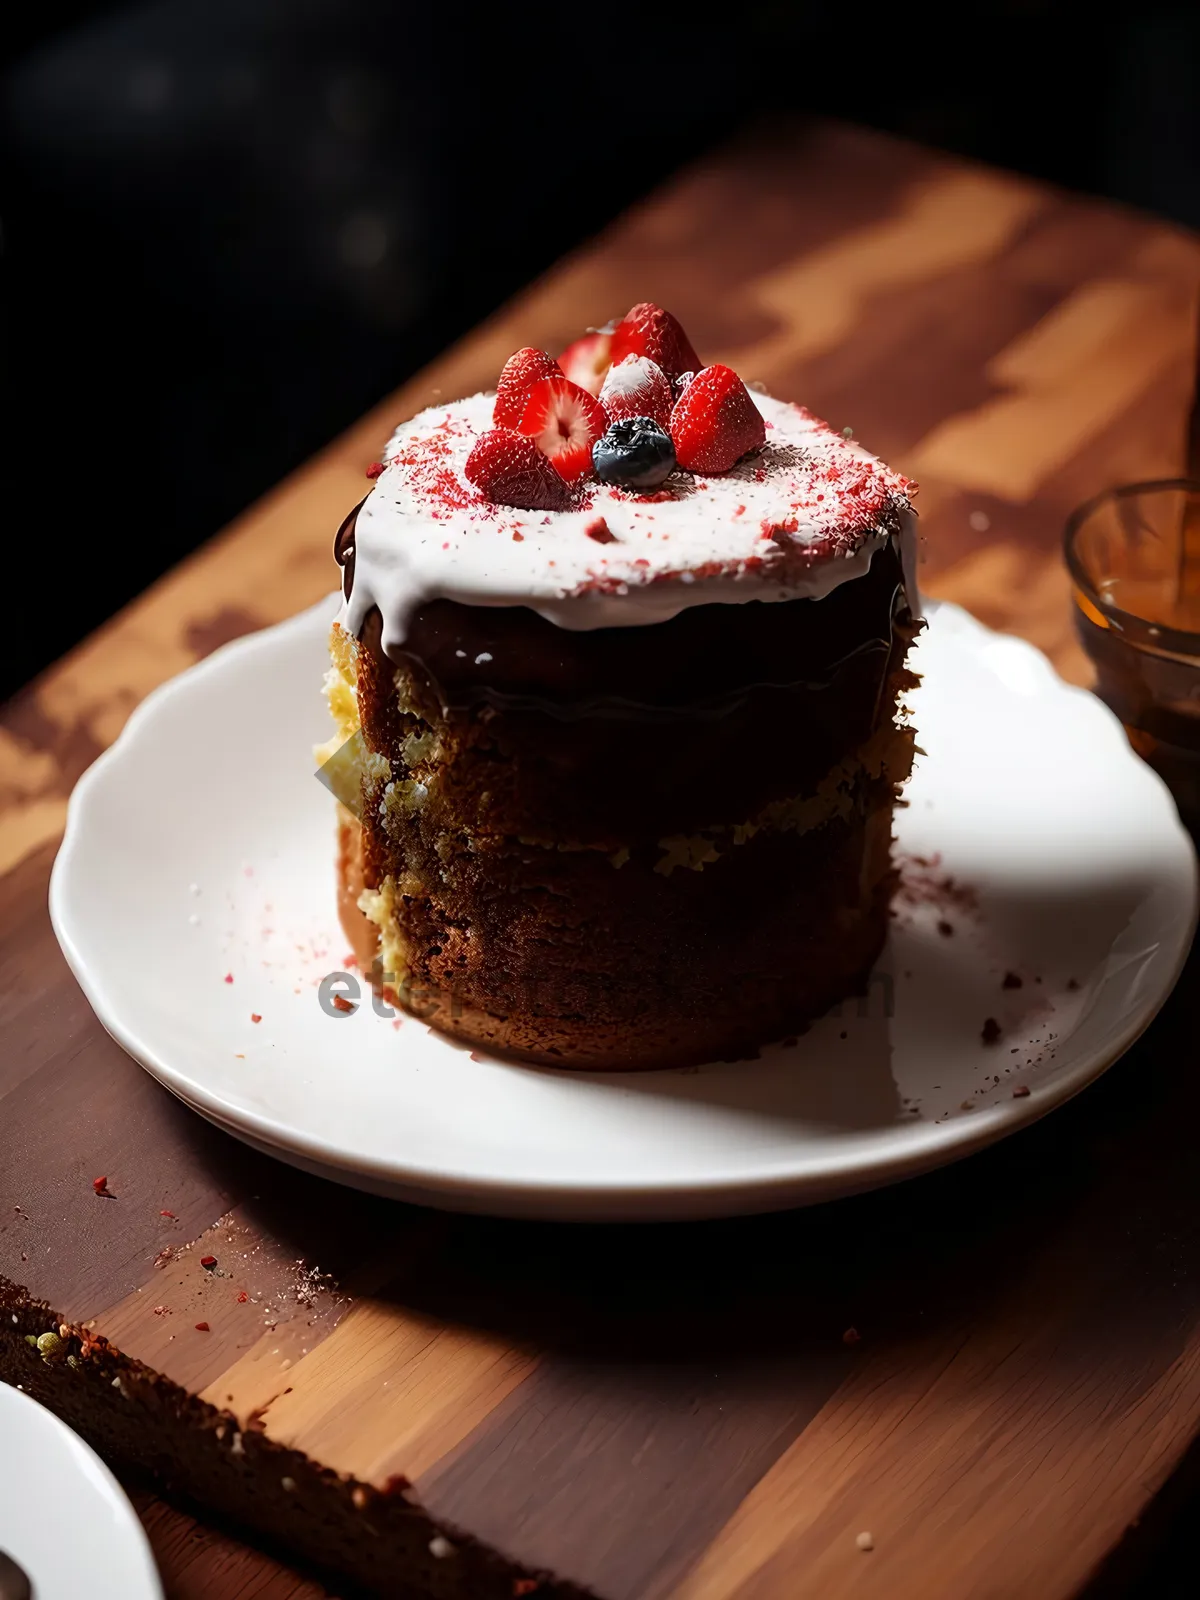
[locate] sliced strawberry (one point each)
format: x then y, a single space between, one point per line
520 373
637 387
648 330
564 421
586 361
510 470
715 422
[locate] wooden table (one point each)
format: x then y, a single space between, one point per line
656 1412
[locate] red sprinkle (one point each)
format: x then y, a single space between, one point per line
851 1336
374 470
208 1261
523 1586
599 530
229 977
242 1298
340 1003
100 1185
203 1327
254 1017
170 1214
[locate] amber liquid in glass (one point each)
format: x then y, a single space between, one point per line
1151 679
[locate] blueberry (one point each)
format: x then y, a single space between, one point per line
635 453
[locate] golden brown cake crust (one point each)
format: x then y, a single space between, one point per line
792 963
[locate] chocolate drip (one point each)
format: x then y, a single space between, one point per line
343 546
702 663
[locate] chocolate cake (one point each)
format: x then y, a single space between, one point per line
623 674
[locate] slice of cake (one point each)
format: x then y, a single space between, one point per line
622 670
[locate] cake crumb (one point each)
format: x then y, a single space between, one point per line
288 1485
865 1541
1020 1090
990 1031
1011 980
852 1336
440 1547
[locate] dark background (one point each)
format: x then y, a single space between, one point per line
229 226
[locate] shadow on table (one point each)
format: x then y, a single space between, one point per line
1114 1164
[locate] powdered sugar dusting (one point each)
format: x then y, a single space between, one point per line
794 521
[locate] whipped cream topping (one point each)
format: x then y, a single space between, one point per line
793 521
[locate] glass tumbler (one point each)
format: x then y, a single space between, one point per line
1133 554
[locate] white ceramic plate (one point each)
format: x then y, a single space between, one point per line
63 1516
199 850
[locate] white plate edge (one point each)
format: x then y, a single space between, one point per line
942 1144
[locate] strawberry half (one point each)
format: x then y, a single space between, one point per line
586 361
637 387
510 470
648 330
564 421
715 422
520 373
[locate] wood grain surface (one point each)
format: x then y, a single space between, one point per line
657 1412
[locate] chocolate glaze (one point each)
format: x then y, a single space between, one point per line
621 734
704 661
343 547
